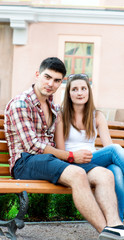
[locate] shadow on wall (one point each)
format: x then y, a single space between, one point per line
113 114
119 115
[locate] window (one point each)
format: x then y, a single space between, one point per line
78 58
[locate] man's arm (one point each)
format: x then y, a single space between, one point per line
20 125
80 156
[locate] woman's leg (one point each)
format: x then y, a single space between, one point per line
119 187
112 154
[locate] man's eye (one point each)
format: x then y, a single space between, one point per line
57 80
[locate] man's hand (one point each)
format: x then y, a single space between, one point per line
82 156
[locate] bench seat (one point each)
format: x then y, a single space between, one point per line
31 186
23 187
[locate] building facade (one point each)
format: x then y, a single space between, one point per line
87 39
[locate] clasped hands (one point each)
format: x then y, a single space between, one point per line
82 156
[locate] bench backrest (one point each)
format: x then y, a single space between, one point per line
4 154
116 131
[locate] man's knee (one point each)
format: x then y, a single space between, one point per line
73 174
107 176
79 174
101 175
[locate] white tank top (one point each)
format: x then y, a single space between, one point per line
77 140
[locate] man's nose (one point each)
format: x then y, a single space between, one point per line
50 83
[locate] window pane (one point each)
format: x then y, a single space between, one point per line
68 65
88 67
78 65
79 58
89 50
71 48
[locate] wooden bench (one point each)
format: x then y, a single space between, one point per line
22 187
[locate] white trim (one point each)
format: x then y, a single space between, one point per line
20 16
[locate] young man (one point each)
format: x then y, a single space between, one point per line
30 121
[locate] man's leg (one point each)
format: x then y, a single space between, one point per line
103 180
83 197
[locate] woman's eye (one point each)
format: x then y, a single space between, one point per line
74 89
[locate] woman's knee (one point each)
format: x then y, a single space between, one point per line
118 176
116 171
115 147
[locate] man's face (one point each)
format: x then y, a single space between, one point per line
48 82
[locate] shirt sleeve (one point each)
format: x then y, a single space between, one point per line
23 126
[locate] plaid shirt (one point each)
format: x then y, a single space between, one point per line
25 126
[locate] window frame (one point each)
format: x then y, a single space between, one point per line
58 96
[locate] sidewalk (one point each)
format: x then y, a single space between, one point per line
56 231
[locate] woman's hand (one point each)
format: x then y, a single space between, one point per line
82 156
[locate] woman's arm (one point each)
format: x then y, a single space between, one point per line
59 135
80 156
102 128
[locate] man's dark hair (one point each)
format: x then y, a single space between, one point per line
53 63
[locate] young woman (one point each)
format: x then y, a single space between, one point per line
77 129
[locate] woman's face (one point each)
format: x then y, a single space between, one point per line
79 92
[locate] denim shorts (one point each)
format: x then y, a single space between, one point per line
43 167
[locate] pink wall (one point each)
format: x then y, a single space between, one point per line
43 41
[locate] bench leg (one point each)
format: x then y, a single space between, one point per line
17 222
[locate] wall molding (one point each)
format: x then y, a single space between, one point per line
20 16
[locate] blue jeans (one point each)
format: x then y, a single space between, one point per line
119 187
112 157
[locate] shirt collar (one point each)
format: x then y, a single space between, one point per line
35 100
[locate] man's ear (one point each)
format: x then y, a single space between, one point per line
37 73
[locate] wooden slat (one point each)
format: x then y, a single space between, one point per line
3 147
116 133
1 115
1 124
116 125
4 158
118 141
17 186
4 171
2 134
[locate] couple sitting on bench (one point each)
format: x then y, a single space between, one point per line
49 144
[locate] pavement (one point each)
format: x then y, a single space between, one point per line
56 231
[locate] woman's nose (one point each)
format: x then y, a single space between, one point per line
79 92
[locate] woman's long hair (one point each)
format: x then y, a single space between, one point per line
68 111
